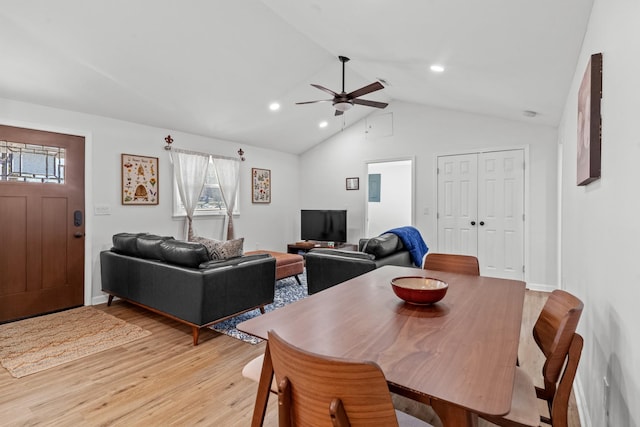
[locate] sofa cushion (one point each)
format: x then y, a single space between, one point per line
383 245
149 246
186 254
228 249
210 244
126 243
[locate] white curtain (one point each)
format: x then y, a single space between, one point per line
190 170
228 172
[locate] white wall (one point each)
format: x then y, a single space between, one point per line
264 226
426 132
396 192
601 222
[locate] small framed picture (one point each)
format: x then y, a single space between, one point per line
139 180
353 183
260 185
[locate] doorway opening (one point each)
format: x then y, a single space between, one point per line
389 195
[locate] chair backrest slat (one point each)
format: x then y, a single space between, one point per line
462 264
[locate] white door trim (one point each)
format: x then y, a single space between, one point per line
365 186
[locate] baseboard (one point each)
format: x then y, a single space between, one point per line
541 287
100 299
578 392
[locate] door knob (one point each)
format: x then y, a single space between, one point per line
473 223
481 222
78 235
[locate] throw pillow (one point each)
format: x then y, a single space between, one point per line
228 249
210 244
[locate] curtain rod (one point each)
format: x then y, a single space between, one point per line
169 140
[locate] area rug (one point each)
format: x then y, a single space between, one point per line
33 345
287 291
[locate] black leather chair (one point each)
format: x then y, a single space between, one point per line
328 267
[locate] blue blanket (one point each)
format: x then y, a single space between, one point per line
413 241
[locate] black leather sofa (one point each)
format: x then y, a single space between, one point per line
328 267
177 279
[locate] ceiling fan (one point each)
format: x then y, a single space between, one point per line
344 101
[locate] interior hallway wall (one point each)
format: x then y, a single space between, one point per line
600 226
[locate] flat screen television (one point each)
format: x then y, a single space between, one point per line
323 225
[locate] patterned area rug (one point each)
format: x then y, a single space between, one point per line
33 345
287 291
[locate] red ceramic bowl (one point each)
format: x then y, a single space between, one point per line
419 290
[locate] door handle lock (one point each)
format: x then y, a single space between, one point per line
473 223
77 218
481 222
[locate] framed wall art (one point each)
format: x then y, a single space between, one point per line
353 183
139 180
260 185
590 122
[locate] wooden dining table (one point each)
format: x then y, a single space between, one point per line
458 355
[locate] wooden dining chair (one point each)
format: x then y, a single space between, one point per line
463 264
316 390
554 333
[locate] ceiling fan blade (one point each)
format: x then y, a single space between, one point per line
375 104
313 102
339 113
365 90
325 89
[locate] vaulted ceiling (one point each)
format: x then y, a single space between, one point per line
213 67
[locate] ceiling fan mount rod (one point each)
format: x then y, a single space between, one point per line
343 59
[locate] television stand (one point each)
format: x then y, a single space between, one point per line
305 246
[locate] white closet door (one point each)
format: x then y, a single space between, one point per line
457 204
501 214
481 210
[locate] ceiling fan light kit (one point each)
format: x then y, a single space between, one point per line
345 101
343 105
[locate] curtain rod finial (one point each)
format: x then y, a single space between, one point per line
168 140
241 154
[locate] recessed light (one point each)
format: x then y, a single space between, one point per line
274 106
437 68
323 124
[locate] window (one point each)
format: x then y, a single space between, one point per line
31 163
210 202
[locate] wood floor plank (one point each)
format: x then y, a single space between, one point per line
163 379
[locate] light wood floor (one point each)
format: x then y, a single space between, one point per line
164 380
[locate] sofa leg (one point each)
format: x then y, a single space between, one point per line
110 301
298 280
262 309
196 334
